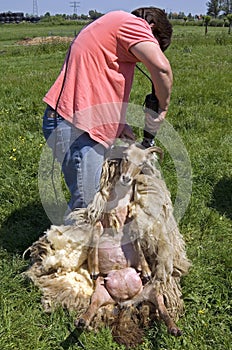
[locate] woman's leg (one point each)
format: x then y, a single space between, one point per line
80 156
82 168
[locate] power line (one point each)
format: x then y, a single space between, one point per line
75 5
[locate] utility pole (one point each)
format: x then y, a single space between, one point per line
75 5
35 8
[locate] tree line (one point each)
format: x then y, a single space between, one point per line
216 9
219 8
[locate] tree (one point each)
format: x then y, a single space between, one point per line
226 6
85 17
229 17
206 19
94 14
214 7
190 16
181 15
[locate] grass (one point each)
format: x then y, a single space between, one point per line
200 112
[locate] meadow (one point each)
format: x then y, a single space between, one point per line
200 112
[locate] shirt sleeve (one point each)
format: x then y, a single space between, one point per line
133 31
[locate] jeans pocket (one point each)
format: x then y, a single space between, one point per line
57 133
50 121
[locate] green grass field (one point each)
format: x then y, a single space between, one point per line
200 112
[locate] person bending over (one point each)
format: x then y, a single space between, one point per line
87 103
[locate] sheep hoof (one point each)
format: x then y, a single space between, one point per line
175 331
80 323
146 279
94 276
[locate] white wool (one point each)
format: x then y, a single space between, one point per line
69 259
70 246
59 236
79 282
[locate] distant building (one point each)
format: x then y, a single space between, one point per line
16 17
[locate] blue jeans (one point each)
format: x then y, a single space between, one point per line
80 156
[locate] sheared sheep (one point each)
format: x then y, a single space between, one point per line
140 212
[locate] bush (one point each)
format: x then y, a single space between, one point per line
213 22
216 23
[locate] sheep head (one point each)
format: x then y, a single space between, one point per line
134 159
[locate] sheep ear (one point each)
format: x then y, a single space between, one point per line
130 145
157 150
127 142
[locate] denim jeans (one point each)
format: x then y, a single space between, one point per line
80 156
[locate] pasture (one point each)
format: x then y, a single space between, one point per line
200 112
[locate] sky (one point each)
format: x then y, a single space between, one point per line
103 6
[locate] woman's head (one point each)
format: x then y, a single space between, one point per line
160 25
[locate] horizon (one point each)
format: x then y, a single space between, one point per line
103 6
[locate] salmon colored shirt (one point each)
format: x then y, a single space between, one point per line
99 75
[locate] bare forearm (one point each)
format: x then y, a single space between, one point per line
162 80
159 67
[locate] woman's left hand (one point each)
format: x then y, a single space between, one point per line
127 133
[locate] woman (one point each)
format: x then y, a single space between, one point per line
87 103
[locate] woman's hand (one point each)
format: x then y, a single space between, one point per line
127 133
153 123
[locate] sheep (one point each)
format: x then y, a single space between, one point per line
132 202
118 199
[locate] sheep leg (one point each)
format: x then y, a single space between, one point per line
149 294
171 326
146 272
100 297
93 262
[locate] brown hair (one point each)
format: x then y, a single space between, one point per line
162 29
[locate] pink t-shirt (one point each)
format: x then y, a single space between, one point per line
99 75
